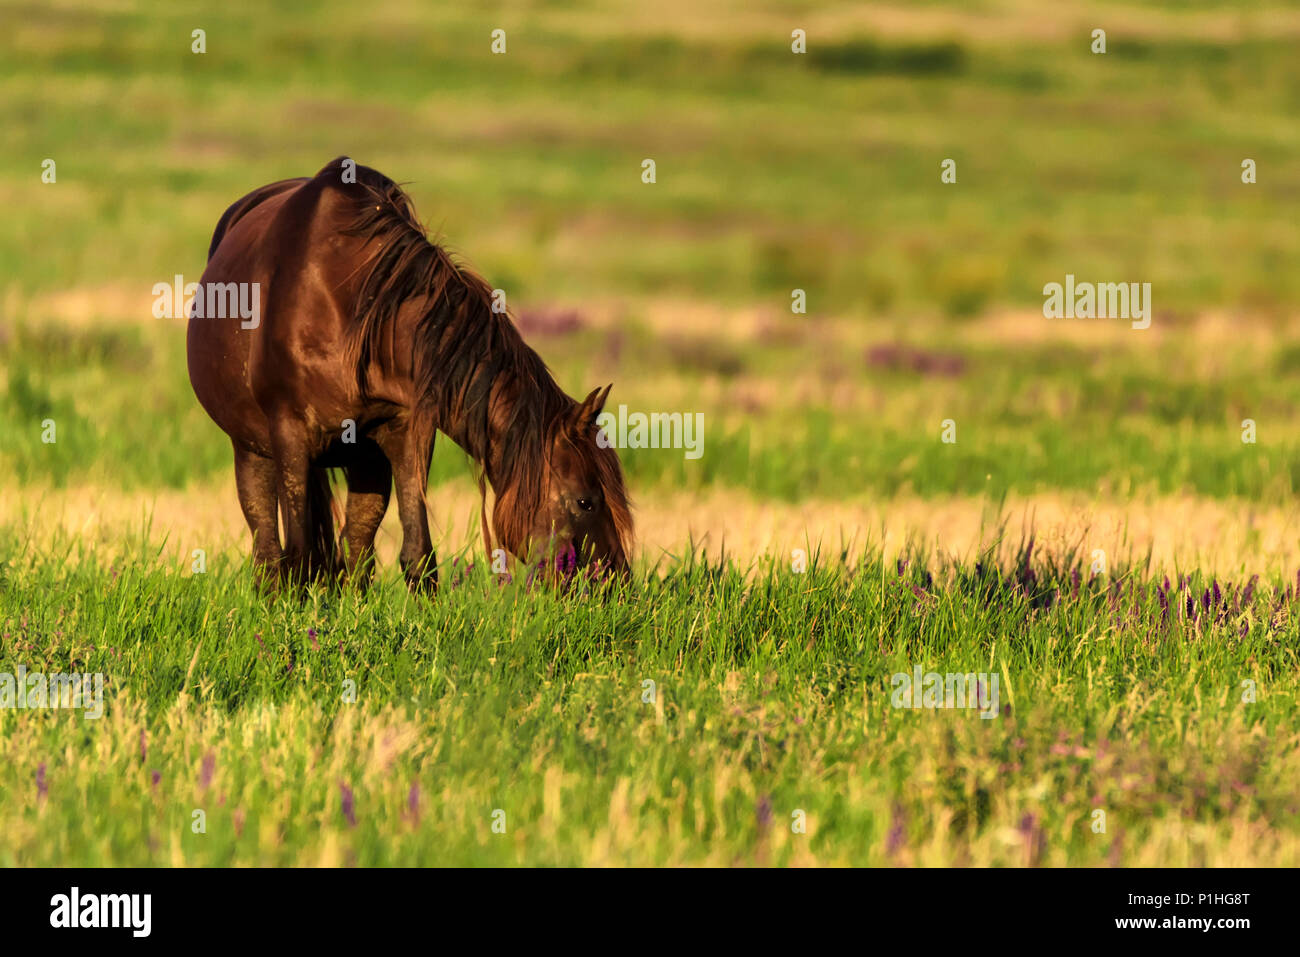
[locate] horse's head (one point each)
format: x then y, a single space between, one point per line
573 513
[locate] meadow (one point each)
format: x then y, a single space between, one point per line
1106 535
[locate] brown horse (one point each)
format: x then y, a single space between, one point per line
370 339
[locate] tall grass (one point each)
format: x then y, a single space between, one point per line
771 696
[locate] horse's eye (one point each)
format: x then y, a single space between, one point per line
585 504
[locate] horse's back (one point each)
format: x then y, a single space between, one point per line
331 179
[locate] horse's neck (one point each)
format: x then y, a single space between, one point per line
482 425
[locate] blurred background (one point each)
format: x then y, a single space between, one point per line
775 171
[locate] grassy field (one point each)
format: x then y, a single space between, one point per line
1099 537
771 695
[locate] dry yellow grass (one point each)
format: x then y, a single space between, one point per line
1224 537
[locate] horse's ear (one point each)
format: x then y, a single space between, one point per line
590 407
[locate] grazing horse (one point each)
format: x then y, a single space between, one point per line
370 340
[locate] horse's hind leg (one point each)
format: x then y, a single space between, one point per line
370 482
296 489
255 481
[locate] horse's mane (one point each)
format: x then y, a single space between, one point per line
461 348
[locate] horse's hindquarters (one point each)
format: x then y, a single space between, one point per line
223 329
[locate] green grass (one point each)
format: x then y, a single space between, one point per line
773 696
1120 417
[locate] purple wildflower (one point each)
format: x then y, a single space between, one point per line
349 811
311 635
42 788
764 812
205 774
897 833
1033 837
1116 855
553 321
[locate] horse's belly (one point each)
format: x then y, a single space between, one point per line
218 363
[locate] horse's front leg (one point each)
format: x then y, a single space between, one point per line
370 483
410 471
